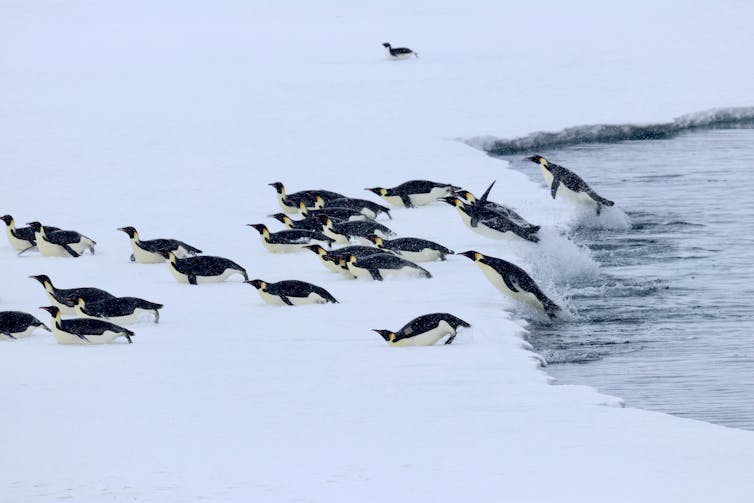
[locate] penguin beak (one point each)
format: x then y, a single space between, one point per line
469 254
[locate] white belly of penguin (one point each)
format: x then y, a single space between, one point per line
497 281
63 308
339 238
66 338
427 338
430 197
143 256
312 298
21 335
332 266
484 230
52 250
128 319
17 244
283 247
394 200
426 255
182 278
285 207
574 197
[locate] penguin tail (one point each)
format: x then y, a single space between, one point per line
532 237
425 272
599 199
551 308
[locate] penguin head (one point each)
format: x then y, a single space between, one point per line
54 311
319 202
7 219
324 220
302 207
538 159
350 258
466 196
169 256
385 44
281 217
316 249
257 283
377 190
43 279
386 334
278 187
473 255
375 239
75 301
130 231
451 200
261 228
35 226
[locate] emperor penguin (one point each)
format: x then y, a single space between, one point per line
377 265
121 310
513 281
17 324
305 224
21 239
202 269
568 184
425 330
413 249
367 208
289 202
289 240
60 243
342 232
291 292
85 331
509 213
399 52
149 251
335 259
414 193
342 214
65 299
489 223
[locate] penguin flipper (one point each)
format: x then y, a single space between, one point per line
156 316
375 274
554 186
407 201
26 249
474 221
133 258
510 284
70 250
192 279
286 300
9 335
483 199
450 339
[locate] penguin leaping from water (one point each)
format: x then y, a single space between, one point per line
291 292
425 330
21 239
414 193
149 252
60 243
399 52
568 184
513 281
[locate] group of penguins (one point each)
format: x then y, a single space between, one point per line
328 218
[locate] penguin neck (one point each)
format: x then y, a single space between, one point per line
58 320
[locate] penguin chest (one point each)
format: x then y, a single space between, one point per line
394 200
312 298
51 250
20 335
429 337
286 207
143 256
282 247
63 308
547 176
332 266
64 337
429 197
497 281
17 244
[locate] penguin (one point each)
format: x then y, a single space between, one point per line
121 310
367 208
60 243
84 331
289 203
21 239
414 193
291 292
202 269
61 298
374 266
513 281
342 214
489 223
290 240
469 198
413 249
148 252
16 324
568 184
399 52
306 224
336 263
425 330
342 232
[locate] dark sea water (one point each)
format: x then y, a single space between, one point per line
668 325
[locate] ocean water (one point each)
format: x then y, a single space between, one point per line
668 325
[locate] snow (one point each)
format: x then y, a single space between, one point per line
174 116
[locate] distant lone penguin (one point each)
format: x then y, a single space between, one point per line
425 330
399 52
568 184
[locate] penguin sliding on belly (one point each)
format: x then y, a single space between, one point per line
377 265
335 260
341 214
202 269
65 299
85 331
413 249
305 224
121 310
21 239
149 252
568 184
513 281
60 243
342 232
16 324
367 208
290 240
469 199
414 193
290 203
291 292
425 330
491 224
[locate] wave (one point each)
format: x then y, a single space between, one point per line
736 117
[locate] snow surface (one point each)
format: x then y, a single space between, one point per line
173 116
